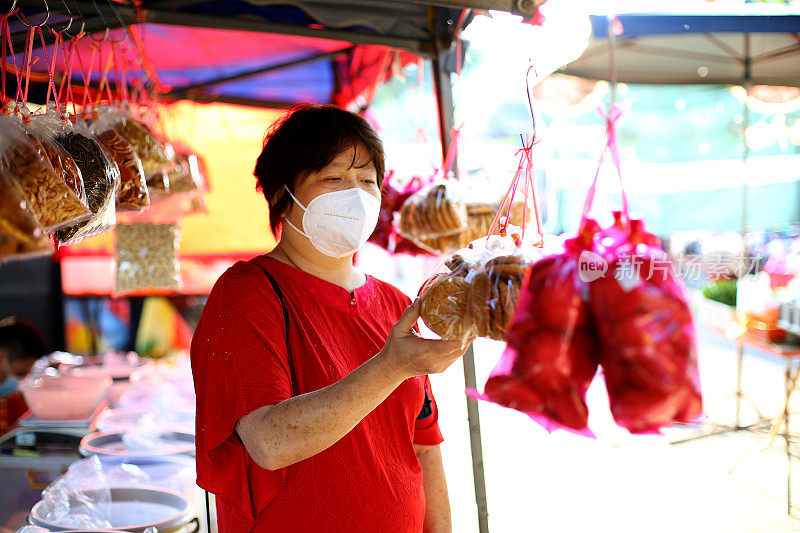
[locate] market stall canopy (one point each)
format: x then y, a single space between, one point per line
701 49
268 53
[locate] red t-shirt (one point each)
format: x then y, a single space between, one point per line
370 480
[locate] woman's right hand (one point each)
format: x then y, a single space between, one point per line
409 355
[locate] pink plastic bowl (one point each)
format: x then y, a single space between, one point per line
64 397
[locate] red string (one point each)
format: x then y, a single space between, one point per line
104 84
28 63
51 84
86 75
452 150
611 145
4 30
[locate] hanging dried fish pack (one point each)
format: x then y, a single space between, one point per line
101 179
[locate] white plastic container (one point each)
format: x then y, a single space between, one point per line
133 509
62 397
111 443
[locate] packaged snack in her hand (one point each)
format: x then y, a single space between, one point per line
552 356
475 292
645 325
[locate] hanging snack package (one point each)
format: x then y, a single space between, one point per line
147 257
23 157
552 356
434 212
45 129
100 179
21 234
644 320
133 194
151 151
393 195
475 293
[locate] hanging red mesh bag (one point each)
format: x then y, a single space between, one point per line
645 325
552 354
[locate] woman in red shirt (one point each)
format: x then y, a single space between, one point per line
314 410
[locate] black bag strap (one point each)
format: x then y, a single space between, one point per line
279 294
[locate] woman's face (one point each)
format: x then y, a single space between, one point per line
342 173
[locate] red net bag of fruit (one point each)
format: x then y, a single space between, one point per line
647 334
550 359
644 322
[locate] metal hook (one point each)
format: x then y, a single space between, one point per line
105 23
80 16
69 24
25 21
13 7
122 25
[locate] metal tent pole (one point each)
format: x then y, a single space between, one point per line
444 102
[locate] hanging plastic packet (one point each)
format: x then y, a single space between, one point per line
644 320
23 158
101 177
147 257
133 193
21 234
433 214
478 293
150 149
552 354
45 129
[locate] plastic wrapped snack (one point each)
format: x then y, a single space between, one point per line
476 291
645 325
151 151
23 157
20 232
147 256
45 128
434 211
100 178
392 199
133 193
552 355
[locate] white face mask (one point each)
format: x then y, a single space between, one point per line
339 223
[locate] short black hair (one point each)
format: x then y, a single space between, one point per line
22 340
307 139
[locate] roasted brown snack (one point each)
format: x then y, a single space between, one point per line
50 199
63 165
133 193
479 303
444 305
497 327
20 232
100 178
148 147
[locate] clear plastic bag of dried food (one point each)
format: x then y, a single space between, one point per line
21 235
151 151
23 158
147 257
435 217
46 128
133 193
100 179
476 291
